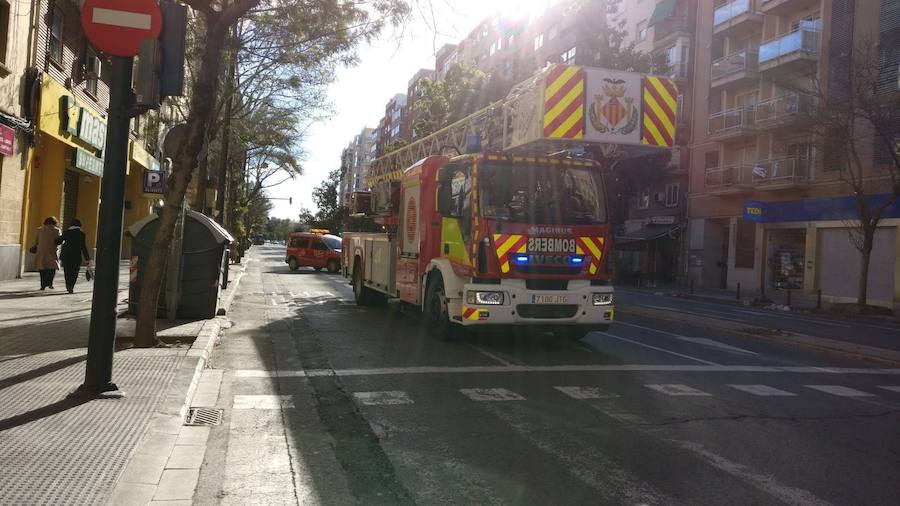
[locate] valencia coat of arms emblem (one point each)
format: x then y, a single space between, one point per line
613 112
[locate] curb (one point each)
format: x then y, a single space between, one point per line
229 298
139 479
822 344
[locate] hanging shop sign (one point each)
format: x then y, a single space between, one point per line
87 162
7 140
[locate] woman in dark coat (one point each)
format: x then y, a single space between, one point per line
74 247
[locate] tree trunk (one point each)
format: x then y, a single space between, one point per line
199 204
866 255
203 101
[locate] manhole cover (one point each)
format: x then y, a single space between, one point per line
203 416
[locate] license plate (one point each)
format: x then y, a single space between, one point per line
549 299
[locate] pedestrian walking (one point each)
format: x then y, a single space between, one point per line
74 250
46 260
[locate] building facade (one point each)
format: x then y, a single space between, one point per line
355 160
768 208
390 128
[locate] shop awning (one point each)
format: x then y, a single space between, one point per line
663 10
647 233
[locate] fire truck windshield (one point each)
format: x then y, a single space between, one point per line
541 194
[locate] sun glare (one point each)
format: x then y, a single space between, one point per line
525 8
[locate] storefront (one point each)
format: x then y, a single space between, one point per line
67 163
812 244
648 251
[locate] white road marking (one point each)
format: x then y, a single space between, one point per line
490 355
383 398
891 388
583 393
762 390
697 340
764 482
675 389
263 401
489 369
670 352
124 19
491 394
840 390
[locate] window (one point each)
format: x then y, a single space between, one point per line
299 242
679 107
672 194
641 30
711 160
319 246
568 57
539 42
56 35
4 25
493 49
644 199
552 33
91 71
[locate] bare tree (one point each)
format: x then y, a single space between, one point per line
858 121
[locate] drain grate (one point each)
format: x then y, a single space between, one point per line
203 416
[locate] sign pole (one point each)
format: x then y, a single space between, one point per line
102 334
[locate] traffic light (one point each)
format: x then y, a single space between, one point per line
146 79
160 63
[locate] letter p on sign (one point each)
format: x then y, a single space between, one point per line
154 181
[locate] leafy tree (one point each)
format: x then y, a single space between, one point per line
307 40
395 145
444 102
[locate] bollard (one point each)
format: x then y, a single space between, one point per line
738 295
788 297
819 298
692 286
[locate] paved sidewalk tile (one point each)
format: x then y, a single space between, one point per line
177 484
133 493
186 457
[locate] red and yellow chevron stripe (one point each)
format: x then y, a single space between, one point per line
469 313
658 103
507 244
564 102
592 247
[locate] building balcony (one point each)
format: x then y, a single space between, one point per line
736 17
677 71
732 124
781 7
797 51
668 30
784 113
735 70
780 174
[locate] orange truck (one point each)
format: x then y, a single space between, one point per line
517 234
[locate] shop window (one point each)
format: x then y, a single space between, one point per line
644 199
56 36
745 244
4 25
672 194
91 71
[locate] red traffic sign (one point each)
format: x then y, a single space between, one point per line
117 27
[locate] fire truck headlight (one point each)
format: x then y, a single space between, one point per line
485 298
602 299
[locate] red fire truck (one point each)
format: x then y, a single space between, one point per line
504 237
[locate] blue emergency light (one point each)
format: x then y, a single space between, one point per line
576 260
522 259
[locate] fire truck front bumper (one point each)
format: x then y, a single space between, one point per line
581 305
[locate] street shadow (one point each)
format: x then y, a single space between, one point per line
42 412
34 293
40 371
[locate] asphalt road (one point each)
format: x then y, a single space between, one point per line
329 403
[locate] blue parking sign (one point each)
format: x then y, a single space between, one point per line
154 181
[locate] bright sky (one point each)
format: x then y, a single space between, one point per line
359 94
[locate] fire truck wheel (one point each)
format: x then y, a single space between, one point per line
317 269
333 266
437 316
292 264
361 293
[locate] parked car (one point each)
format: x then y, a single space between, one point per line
317 249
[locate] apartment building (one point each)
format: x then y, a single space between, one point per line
355 159
767 206
15 130
413 91
390 127
70 93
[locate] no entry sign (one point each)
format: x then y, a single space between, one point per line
117 27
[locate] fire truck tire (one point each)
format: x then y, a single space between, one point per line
333 266
292 264
437 316
362 294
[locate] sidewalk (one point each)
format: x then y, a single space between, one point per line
55 450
